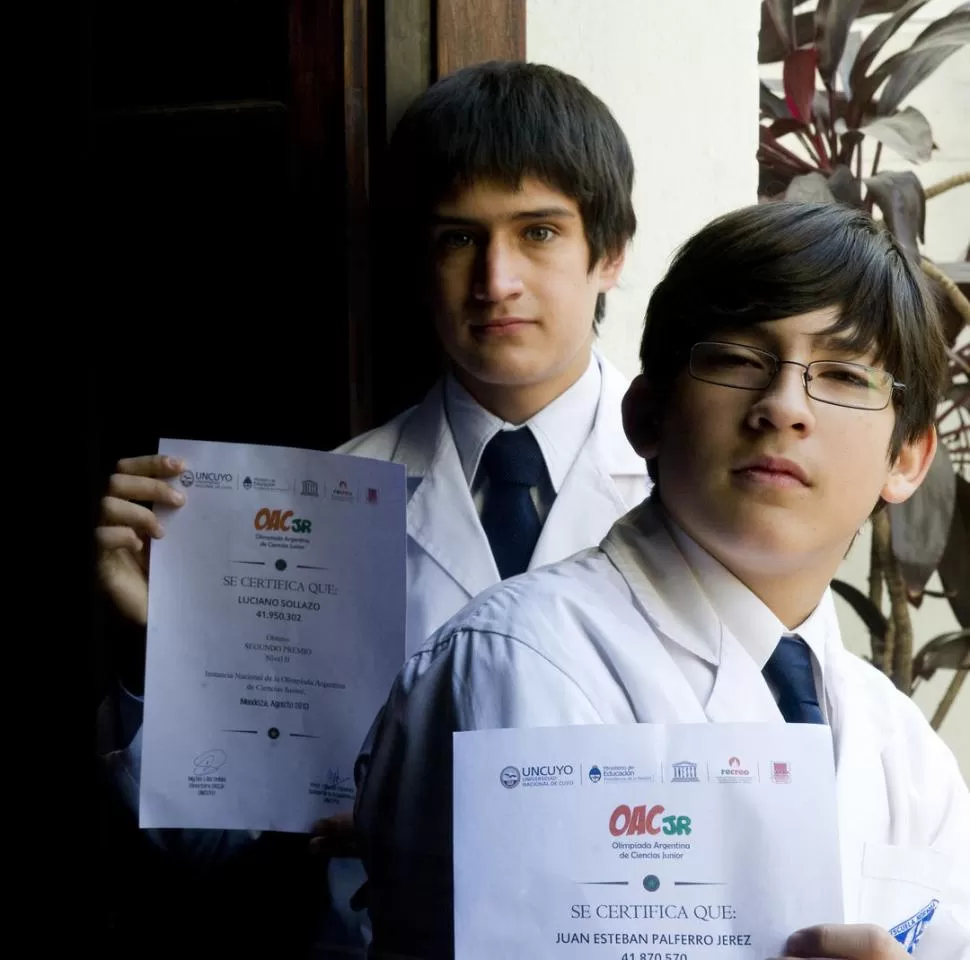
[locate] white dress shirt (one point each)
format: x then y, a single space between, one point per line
560 428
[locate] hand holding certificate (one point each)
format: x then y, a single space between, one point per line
275 628
643 842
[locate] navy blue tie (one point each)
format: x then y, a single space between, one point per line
513 463
789 669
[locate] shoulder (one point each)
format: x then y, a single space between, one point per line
380 442
546 620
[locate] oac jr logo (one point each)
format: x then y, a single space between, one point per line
283 520
639 820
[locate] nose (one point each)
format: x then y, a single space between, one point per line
784 404
498 274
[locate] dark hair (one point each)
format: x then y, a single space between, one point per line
782 259
507 120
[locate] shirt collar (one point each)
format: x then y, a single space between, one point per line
748 618
560 428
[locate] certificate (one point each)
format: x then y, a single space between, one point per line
643 841
276 620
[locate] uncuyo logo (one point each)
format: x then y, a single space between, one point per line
510 777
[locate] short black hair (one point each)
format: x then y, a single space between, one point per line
503 121
784 258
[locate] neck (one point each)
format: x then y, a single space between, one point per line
790 599
519 402
790 587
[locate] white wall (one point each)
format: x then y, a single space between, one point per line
681 76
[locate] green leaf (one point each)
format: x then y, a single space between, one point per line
954 565
877 39
902 200
771 48
772 105
908 133
951 651
907 69
921 525
780 15
874 619
833 18
810 188
934 45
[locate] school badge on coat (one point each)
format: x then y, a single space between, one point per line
908 932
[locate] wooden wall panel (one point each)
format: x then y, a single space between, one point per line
470 31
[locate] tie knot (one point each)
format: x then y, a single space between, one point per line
513 456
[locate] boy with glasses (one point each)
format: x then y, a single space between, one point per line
792 365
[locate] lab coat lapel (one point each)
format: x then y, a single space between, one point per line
589 500
441 516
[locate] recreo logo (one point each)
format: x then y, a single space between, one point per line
282 520
634 821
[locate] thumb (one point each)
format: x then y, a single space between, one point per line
857 941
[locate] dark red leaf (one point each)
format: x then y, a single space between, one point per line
902 200
799 79
786 125
921 525
833 18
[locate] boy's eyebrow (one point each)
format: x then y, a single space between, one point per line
835 341
542 213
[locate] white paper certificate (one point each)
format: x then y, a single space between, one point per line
643 842
275 629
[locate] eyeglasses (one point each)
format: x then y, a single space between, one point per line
829 381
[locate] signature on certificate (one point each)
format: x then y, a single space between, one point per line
333 778
209 761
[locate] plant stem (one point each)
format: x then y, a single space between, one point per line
808 145
876 158
820 146
951 694
779 153
858 164
833 145
902 654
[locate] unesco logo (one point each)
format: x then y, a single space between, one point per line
510 777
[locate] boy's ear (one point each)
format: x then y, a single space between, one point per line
610 268
910 468
641 418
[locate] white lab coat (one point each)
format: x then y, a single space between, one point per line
448 555
598 639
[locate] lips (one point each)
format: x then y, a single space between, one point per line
774 467
499 323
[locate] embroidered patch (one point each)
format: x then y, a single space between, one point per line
909 931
